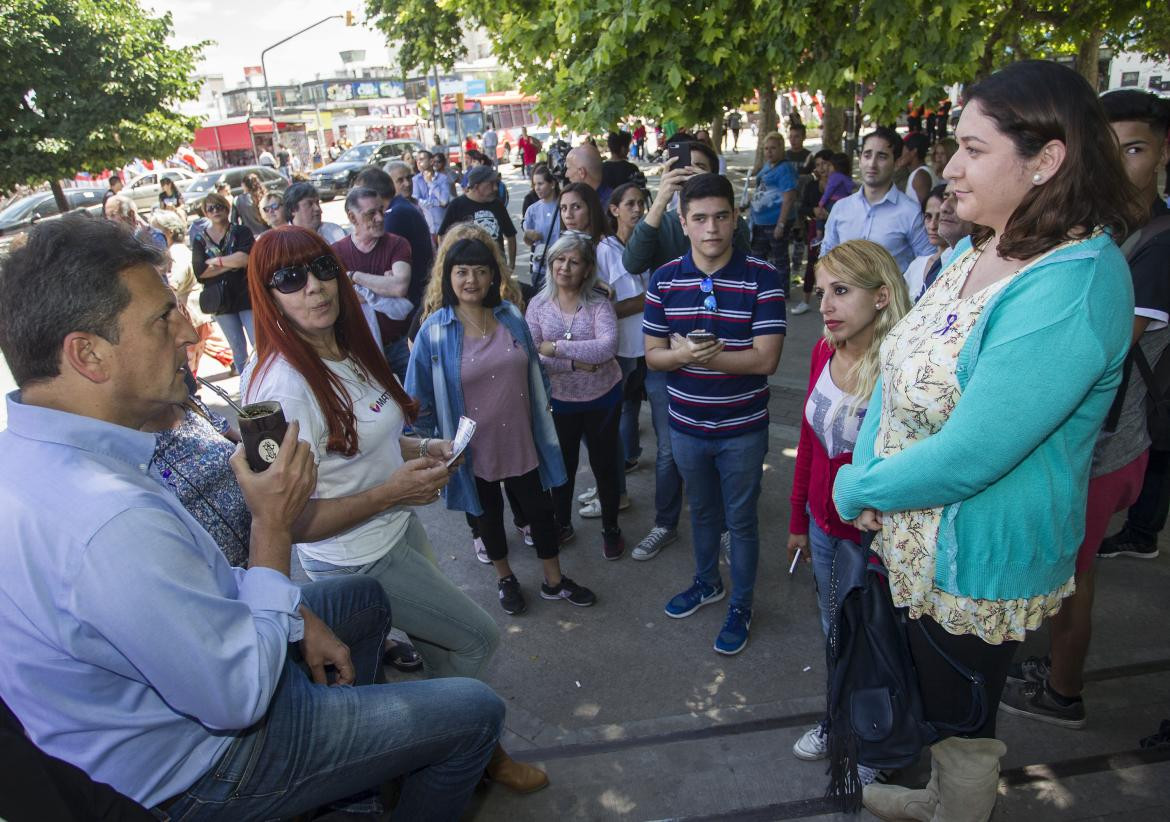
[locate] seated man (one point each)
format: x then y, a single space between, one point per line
135 652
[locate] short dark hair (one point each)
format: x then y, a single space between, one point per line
889 135
470 251
798 127
702 186
356 195
377 179
1131 105
707 152
842 162
917 142
1031 103
65 278
618 142
297 192
939 192
824 154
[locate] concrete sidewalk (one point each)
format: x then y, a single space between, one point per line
635 717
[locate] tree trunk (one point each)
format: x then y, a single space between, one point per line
768 118
717 132
1088 59
59 196
832 127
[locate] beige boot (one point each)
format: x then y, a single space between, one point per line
518 776
968 778
894 803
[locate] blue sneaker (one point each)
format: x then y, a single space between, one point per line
694 598
734 636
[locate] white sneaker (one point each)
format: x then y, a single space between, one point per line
481 551
800 308
588 496
592 509
526 533
812 745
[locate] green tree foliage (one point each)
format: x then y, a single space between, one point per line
87 85
429 34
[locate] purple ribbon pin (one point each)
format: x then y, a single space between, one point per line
951 320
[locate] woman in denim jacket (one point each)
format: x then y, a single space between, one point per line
474 357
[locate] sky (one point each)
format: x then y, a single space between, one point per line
241 30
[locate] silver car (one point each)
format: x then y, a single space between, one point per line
145 188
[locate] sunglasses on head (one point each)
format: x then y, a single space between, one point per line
707 286
293 278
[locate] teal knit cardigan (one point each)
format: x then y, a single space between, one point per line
1010 467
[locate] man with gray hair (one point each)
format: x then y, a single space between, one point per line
379 266
120 209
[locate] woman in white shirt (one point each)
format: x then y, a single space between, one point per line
541 226
316 357
928 265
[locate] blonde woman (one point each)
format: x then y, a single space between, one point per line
862 296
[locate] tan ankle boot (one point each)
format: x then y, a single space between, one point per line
968 778
897 804
517 776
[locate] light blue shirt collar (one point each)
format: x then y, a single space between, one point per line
34 422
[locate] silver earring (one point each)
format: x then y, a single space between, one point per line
1037 178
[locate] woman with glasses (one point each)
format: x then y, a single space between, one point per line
219 256
575 331
317 358
272 210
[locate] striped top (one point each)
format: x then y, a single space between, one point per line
749 303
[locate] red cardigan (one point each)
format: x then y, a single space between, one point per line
812 482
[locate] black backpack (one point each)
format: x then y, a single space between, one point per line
1156 377
875 713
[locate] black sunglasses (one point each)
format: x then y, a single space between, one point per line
272 207
213 208
293 278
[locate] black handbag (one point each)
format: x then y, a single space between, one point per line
213 297
875 712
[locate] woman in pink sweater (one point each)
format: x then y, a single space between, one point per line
575 330
862 296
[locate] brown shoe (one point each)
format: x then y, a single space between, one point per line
518 776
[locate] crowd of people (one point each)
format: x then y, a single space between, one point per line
1015 282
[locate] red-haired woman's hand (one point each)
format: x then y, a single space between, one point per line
417 482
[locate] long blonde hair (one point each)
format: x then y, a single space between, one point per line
433 296
865 264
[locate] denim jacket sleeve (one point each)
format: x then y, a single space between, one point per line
420 381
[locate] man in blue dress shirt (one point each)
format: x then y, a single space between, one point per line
878 211
132 649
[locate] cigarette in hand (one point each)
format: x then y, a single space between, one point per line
795 560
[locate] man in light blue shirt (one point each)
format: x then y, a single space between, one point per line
878 211
132 649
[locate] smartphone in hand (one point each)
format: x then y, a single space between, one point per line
701 337
681 152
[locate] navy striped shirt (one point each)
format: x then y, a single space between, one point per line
749 303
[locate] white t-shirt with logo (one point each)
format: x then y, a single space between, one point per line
379 427
612 270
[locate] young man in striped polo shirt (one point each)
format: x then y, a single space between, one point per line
714 322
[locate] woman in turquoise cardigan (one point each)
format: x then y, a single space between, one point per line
973 465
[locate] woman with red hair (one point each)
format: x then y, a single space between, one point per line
317 358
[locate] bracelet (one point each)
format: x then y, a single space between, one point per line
423 445
554 344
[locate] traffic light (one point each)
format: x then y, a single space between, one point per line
349 19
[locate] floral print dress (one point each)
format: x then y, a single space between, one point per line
919 391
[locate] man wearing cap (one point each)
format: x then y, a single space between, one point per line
480 205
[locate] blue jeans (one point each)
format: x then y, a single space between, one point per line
318 744
667 481
722 476
631 449
453 635
823 548
233 327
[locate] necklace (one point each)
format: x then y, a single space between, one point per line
567 326
482 329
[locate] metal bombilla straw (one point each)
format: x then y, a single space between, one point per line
222 394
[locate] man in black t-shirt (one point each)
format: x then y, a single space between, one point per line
480 205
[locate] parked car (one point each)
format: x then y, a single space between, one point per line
336 178
234 177
22 214
144 189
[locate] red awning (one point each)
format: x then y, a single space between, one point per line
261 125
230 137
